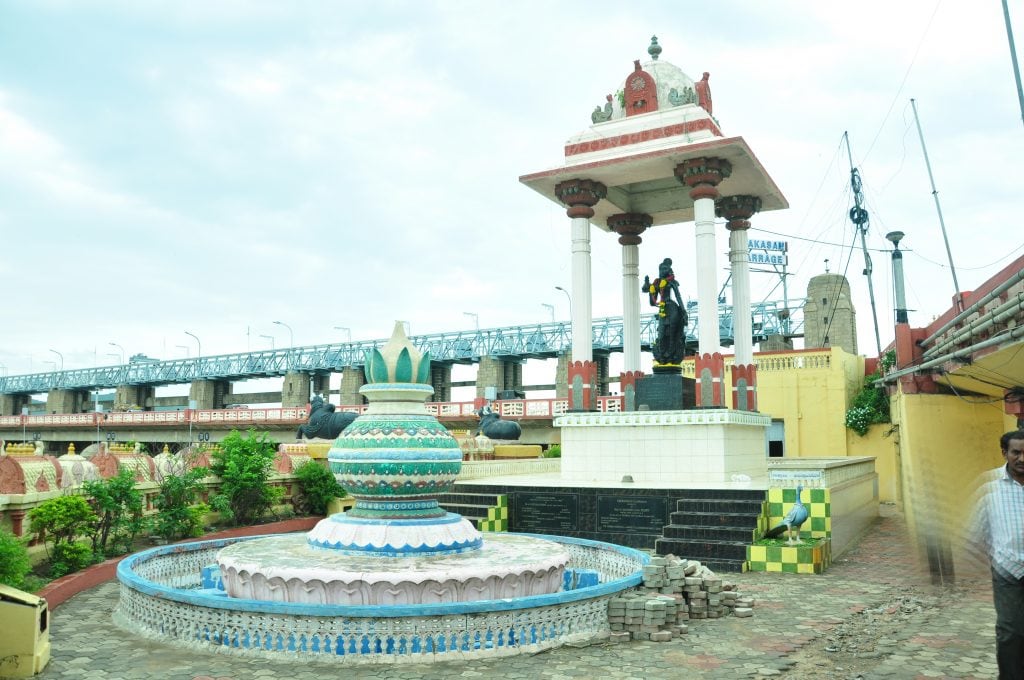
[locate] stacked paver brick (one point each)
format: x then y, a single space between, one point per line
674 592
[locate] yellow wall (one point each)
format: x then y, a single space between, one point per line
882 442
810 392
945 443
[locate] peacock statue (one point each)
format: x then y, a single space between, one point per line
796 516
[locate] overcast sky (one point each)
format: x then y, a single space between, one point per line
216 166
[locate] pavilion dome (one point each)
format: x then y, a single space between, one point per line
674 87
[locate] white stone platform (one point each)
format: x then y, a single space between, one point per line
666 447
286 569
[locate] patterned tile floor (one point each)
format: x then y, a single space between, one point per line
874 614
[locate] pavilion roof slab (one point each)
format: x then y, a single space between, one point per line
645 182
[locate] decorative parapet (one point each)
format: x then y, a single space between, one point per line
645 418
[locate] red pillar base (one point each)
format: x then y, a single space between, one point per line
582 376
709 371
744 387
627 385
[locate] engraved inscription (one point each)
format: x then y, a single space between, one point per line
632 514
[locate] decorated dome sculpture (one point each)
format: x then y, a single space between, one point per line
397 545
77 469
654 86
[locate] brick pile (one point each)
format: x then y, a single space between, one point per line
674 591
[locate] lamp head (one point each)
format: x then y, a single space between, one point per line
895 237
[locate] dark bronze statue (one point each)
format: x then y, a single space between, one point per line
663 293
494 427
324 422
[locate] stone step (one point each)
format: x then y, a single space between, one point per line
723 566
702 550
467 511
721 505
734 520
705 533
756 495
485 499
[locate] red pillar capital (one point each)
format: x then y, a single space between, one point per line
629 226
702 175
581 195
737 210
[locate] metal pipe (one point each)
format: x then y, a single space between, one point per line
935 194
1001 313
998 290
1011 335
1013 58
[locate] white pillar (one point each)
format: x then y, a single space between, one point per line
631 307
582 321
739 260
707 283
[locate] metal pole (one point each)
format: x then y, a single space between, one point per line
957 299
859 216
1013 58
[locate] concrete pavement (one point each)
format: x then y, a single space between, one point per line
874 614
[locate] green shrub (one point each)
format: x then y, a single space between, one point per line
318 487
179 512
244 465
871 405
119 508
553 451
68 558
62 519
14 562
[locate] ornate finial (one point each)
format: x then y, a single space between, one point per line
655 49
398 361
71 449
167 449
826 265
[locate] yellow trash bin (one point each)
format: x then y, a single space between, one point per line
24 633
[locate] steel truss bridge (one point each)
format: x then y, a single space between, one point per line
534 341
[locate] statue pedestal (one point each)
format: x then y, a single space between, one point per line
664 447
665 392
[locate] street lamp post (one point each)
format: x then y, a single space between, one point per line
61 358
114 344
567 297
184 347
476 318
199 345
291 336
550 308
348 331
271 338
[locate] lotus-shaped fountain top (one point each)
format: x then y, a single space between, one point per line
398 361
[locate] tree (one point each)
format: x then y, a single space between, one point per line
179 512
119 509
244 465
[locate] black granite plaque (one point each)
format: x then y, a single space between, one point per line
643 514
547 512
665 392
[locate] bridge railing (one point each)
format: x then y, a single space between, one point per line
512 409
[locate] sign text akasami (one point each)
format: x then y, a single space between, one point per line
761 244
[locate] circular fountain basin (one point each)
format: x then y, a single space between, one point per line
163 598
288 569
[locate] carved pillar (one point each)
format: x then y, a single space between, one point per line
581 195
703 175
352 379
441 381
18 522
738 210
629 226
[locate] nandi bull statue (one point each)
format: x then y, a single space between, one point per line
493 427
324 422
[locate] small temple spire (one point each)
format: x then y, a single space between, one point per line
655 49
